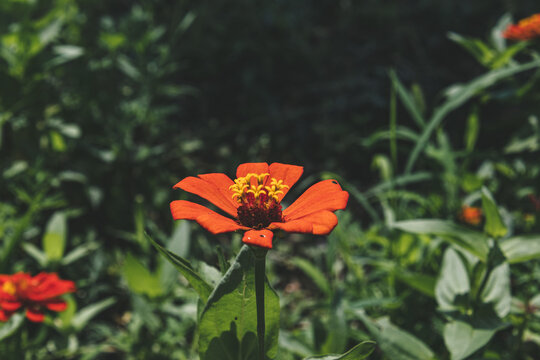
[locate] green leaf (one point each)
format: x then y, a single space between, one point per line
228 322
83 316
521 248
139 279
471 132
11 326
497 290
336 341
457 98
54 240
34 252
359 352
494 225
314 273
453 281
464 238
184 267
463 339
421 282
396 343
407 100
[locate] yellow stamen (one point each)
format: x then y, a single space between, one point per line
244 185
9 287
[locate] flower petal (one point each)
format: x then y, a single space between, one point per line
208 219
319 223
10 305
262 238
34 315
56 305
212 187
324 195
247 168
288 173
4 316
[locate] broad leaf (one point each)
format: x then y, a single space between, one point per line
463 339
229 319
465 239
521 248
497 290
494 225
139 279
54 240
453 281
359 352
184 267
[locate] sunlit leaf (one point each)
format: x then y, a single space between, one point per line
494 224
54 239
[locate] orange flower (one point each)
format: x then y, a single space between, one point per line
21 290
253 200
526 29
471 215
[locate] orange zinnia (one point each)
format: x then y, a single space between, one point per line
253 200
526 29
21 290
471 215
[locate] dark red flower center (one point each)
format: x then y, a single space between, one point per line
258 197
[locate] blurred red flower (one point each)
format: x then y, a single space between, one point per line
21 290
471 215
253 200
526 29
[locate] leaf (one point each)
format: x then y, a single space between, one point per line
139 279
396 343
463 339
34 252
54 240
314 273
83 316
79 252
497 290
184 267
229 319
458 98
494 224
421 282
453 281
336 341
407 100
11 326
465 239
359 352
521 248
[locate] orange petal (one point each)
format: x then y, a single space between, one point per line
10 305
319 223
212 187
262 238
288 173
247 168
324 195
57 306
208 219
34 315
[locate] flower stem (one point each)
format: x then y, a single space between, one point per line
260 269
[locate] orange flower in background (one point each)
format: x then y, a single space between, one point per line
471 215
22 291
253 200
526 29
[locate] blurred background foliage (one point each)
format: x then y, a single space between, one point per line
104 105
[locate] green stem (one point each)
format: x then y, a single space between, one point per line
260 268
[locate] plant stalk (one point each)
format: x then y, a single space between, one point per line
260 269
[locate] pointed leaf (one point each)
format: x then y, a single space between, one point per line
54 240
463 339
184 267
494 225
228 322
140 279
521 248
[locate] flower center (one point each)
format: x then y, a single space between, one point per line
9 288
258 197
